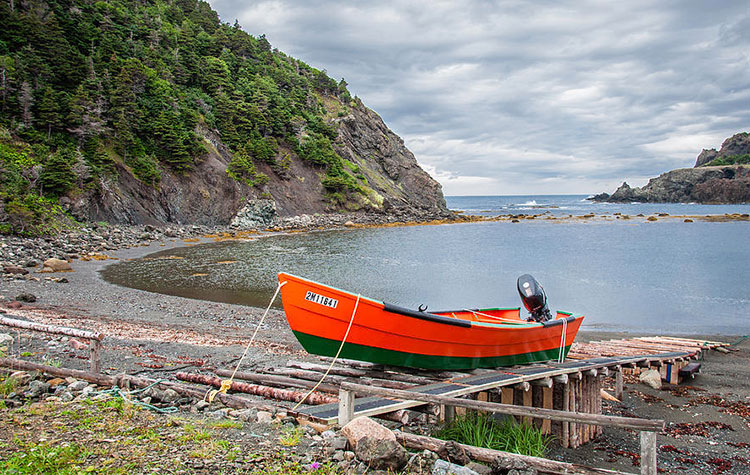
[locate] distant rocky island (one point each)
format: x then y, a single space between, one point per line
717 177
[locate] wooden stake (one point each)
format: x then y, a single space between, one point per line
346 407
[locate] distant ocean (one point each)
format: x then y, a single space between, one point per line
626 275
577 205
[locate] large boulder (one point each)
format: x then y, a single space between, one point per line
381 454
374 444
255 214
361 427
56 265
651 378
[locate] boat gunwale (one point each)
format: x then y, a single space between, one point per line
441 319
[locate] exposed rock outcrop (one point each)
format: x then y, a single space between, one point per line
395 184
738 144
701 184
727 184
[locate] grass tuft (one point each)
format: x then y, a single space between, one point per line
481 430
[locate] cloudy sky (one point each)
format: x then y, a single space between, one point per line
514 97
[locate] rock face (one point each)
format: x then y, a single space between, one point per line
727 184
701 184
738 144
208 196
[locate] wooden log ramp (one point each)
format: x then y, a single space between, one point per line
278 394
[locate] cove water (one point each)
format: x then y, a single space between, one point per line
667 276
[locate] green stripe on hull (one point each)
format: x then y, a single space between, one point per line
325 347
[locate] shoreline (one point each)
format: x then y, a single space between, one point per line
157 334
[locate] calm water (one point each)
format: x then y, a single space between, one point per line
667 276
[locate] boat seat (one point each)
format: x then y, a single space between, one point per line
690 370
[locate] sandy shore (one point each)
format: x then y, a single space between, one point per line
156 334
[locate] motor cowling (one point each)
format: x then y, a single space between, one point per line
533 298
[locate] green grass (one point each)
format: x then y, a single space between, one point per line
481 430
42 458
290 437
9 385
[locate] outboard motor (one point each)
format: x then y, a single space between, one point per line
533 297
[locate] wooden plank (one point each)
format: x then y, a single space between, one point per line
598 419
566 424
547 404
648 453
346 407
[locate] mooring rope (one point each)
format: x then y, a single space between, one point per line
116 391
341 347
561 357
227 383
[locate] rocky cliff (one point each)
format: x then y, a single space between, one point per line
155 112
718 177
392 182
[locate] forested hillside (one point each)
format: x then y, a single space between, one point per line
108 106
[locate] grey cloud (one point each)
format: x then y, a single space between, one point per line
508 94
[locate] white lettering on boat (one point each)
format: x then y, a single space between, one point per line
321 300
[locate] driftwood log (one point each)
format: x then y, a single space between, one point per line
258 390
499 458
94 337
126 381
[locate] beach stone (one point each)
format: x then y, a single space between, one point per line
14 304
54 382
26 297
21 377
454 453
512 467
37 388
66 396
443 467
170 395
12 269
6 339
381 453
201 405
421 462
57 265
338 443
651 378
247 415
362 427
481 469
77 386
264 417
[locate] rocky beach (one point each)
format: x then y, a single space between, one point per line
151 335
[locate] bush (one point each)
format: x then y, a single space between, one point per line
57 175
731 160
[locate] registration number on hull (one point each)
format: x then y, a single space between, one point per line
321 300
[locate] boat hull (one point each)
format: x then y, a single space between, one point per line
320 316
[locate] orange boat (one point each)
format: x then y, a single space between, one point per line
321 317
